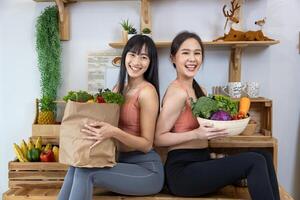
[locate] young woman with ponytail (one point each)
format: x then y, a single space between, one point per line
189 171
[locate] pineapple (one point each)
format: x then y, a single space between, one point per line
46 114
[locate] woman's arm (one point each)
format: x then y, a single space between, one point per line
149 106
173 105
148 101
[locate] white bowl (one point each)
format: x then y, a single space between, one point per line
233 127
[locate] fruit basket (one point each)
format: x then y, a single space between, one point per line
36 164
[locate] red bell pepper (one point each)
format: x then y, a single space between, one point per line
47 156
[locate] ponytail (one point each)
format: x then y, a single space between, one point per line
198 91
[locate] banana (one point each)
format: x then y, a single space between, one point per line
48 147
19 153
55 150
29 145
24 147
38 143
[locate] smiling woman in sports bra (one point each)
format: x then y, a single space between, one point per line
139 170
189 170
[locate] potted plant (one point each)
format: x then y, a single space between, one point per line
126 27
147 31
48 49
132 31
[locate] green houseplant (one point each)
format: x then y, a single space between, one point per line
128 30
132 31
126 25
147 31
48 49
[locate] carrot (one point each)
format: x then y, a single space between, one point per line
244 106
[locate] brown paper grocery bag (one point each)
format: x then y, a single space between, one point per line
76 151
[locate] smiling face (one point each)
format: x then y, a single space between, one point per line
137 63
188 58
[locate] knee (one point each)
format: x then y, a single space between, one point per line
267 155
256 158
156 185
82 174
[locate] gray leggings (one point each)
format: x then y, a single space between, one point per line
135 173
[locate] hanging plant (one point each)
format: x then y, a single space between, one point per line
48 48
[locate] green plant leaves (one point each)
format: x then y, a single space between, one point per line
48 49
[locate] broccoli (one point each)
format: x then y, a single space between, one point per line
204 107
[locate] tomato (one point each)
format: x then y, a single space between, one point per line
100 99
47 156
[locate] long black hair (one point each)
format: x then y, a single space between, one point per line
136 44
177 42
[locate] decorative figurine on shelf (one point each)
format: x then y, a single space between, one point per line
261 22
231 16
237 35
256 36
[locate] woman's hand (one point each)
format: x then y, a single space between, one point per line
99 131
207 132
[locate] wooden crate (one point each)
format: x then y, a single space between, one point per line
261 113
51 130
36 174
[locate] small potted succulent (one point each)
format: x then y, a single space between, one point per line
132 32
126 26
128 30
147 31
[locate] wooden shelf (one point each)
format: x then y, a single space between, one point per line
166 44
257 140
19 166
228 192
258 99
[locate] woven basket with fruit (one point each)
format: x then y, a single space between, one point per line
222 112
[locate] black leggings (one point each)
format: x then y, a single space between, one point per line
191 172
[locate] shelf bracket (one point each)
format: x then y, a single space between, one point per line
64 19
145 15
235 64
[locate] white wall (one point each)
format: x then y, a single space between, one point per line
95 24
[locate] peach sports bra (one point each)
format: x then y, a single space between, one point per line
129 120
187 122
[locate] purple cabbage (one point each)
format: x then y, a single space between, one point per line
221 116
